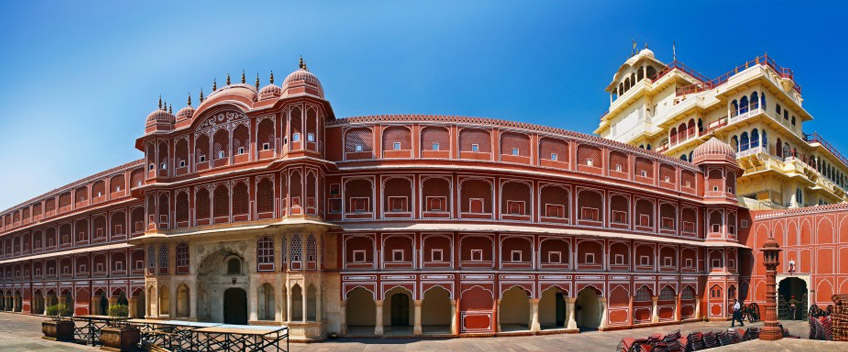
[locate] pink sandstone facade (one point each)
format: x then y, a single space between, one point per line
260 206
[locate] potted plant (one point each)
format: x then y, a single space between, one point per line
58 328
119 336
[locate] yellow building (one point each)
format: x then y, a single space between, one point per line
756 107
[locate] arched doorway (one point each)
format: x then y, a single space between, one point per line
38 302
514 310
587 309
102 304
397 310
792 290
266 307
552 313
183 303
235 306
218 272
19 302
436 311
360 311
68 301
140 304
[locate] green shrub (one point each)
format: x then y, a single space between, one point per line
118 310
57 311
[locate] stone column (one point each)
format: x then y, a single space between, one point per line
288 302
46 303
570 303
132 307
172 291
454 312
498 315
655 316
698 306
677 313
534 314
192 301
303 300
342 317
253 303
319 302
416 330
378 325
602 302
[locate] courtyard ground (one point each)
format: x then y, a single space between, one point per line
23 333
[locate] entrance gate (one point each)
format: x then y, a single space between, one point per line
235 306
400 309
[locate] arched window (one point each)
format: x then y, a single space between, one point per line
743 142
234 266
311 248
764 138
683 157
755 101
743 105
700 125
799 196
648 146
163 258
690 156
182 254
734 108
296 248
734 142
265 253
763 100
755 138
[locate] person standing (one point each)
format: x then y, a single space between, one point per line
737 314
793 308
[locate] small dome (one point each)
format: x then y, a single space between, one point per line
160 116
270 91
159 120
185 113
646 52
302 81
714 150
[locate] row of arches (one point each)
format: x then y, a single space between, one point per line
684 131
229 137
745 104
97 191
745 141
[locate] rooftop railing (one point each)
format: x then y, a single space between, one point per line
816 138
707 84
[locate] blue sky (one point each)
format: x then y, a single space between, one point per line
80 77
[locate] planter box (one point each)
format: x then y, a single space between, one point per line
119 338
61 330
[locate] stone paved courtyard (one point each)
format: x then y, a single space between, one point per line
23 333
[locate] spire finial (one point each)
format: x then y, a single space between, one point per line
160 101
165 105
302 64
214 84
674 50
633 50
243 80
272 76
189 99
201 95
171 109
257 80
646 45
228 79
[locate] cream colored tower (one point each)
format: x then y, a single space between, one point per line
756 108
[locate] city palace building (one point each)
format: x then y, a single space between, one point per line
260 206
756 107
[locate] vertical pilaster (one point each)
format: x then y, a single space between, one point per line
342 317
454 317
132 307
602 302
378 325
655 317
570 303
416 330
534 315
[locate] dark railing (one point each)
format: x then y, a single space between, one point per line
816 138
707 84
